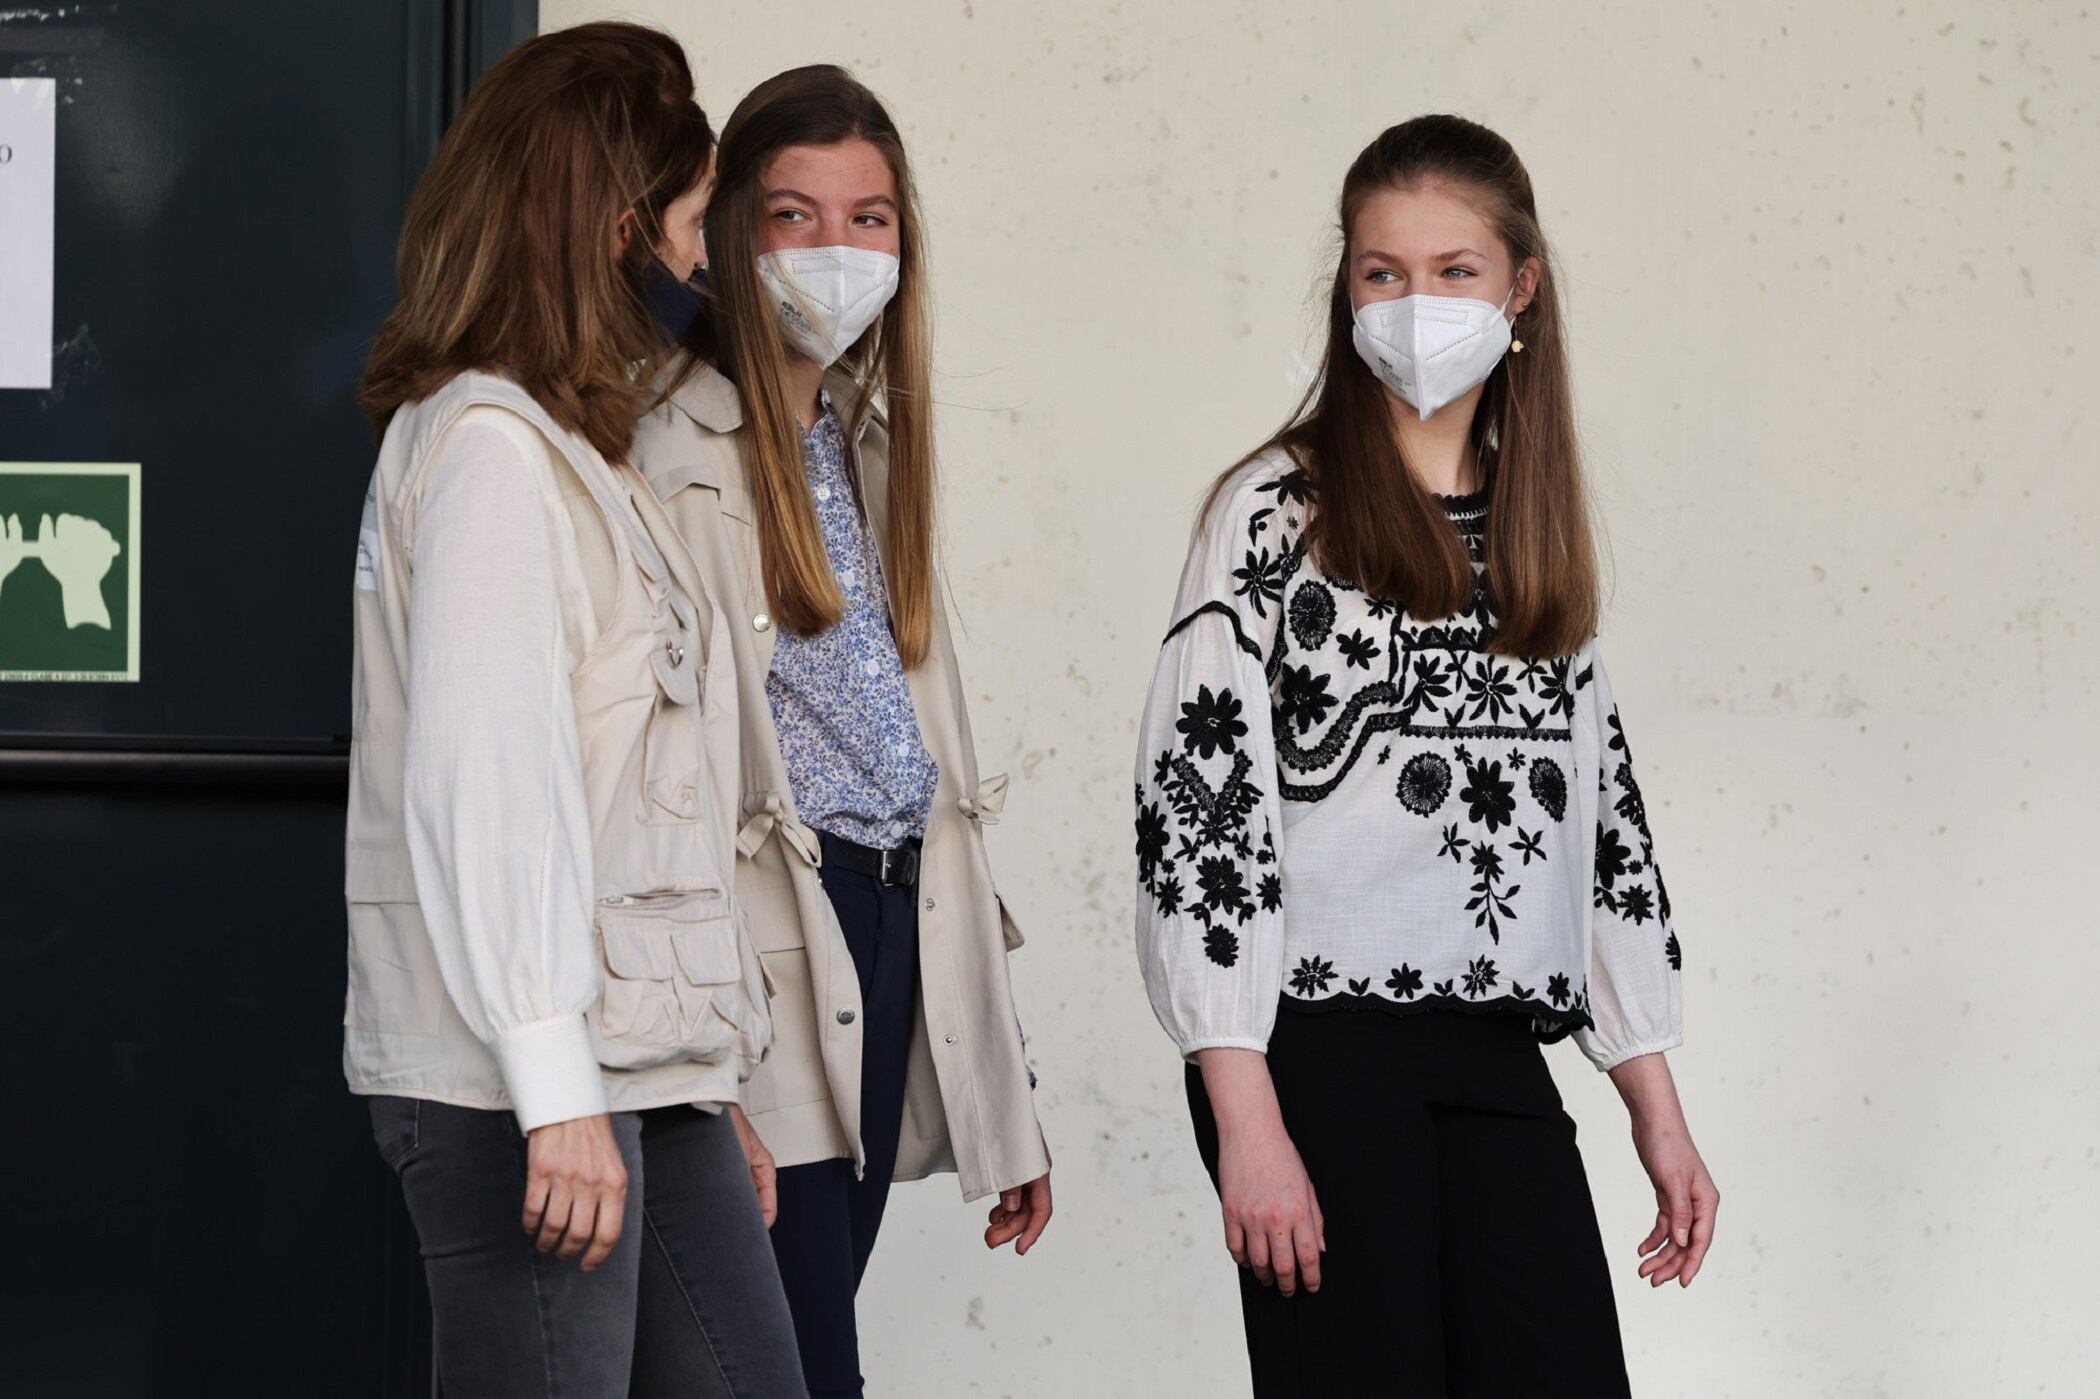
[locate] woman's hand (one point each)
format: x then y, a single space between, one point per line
1022 1212
1273 1223
1686 1199
575 1189
764 1175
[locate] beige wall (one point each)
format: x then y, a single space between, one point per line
1830 272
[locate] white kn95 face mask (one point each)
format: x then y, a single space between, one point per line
1432 349
827 297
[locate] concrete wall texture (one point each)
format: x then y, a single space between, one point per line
1829 272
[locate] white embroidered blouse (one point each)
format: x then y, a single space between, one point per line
1342 805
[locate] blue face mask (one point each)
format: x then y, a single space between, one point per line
674 303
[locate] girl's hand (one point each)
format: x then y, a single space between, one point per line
1686 1199
1273 1223
764 1178
1022 1212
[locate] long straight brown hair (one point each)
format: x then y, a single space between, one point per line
821 105
507 258
1376 526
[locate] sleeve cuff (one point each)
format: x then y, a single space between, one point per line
1188 1050
551 1071
1607 1060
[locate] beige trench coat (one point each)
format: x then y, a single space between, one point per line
968 1106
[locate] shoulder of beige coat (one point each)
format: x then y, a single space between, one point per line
689 439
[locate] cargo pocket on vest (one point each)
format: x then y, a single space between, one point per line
671 990
671 759
395 987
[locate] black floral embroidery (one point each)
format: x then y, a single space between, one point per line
1293 487
1454 844
1151 838
1425 780
1528 844
1630 806
1304 701
1636 904
1490 901
1204 830
1312 615
1557 988
1430 682
1489 692
1311 976
1675 953
1405 982
1488 798
1210 723
1611 862
1480 975
1549 787
1223 889
1357 649
1553 688
1260 579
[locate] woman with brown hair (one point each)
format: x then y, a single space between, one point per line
551 996
796 456
1389 837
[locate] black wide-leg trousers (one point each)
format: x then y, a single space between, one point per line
1463 1256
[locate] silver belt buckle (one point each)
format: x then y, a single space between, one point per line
896 859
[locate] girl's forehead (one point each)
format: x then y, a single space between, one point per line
1417 216
850 169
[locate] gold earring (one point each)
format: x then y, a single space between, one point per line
1516 347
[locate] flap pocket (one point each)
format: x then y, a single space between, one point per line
378 873
673 990
707 952
637 948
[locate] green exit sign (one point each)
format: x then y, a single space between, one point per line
69 571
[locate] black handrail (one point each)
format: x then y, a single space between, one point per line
316 764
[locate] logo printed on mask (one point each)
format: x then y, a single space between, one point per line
827 297
1431 350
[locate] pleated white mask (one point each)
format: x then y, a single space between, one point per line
827 297
1432 349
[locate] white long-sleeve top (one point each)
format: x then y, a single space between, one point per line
498 827
1342 805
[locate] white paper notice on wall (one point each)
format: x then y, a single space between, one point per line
28 164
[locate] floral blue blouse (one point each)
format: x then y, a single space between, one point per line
843 710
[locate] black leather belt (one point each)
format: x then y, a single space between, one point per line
898 865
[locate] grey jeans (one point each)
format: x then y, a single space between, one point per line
689 1304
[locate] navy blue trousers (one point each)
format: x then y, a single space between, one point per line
828 1220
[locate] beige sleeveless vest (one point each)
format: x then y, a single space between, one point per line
682 1015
